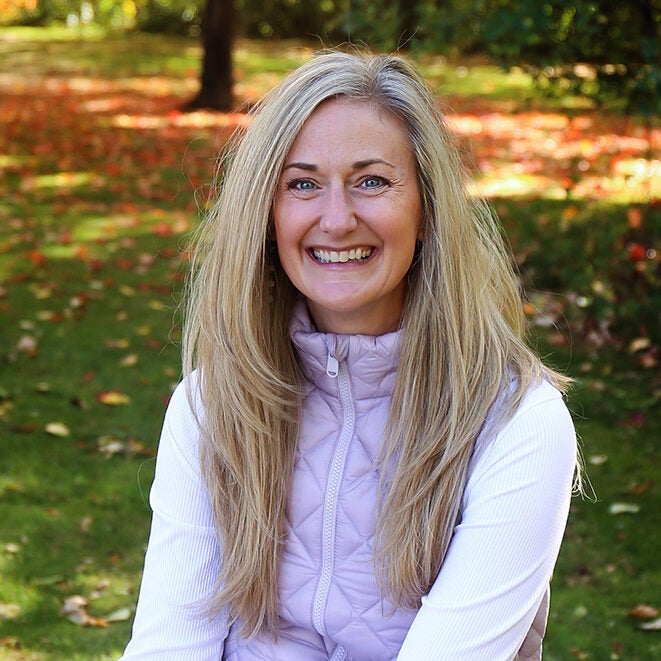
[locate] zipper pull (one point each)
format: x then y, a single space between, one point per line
332 366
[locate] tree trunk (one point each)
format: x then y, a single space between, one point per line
216 78
407 14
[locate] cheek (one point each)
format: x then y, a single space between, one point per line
286 222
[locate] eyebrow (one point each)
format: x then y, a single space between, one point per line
357 165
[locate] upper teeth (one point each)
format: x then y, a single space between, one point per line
332 256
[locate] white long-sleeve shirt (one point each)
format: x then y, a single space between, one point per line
492 582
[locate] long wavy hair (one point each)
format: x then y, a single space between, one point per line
463 344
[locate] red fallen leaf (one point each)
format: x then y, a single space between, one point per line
124 264
112 169
36 257
636 252
638 489
113 398
162 229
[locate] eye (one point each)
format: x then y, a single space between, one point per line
302 185
373 182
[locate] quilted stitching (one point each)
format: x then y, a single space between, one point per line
359 623
531 649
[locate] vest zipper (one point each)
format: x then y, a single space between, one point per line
330 502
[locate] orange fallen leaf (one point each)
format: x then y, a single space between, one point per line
643 611
634 217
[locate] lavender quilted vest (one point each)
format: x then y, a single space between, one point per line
331 606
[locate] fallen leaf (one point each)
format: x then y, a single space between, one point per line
639 344
120 343
129 360
86 523
634 217
75 610
623 508
157 305
57 429
580 611
643 611
127 291
637 489
119 615
27 344
9 642
109 446
113 398
9 611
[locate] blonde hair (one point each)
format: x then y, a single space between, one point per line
463 345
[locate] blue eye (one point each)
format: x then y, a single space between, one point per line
302 185
373 182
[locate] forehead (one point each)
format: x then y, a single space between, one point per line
342 124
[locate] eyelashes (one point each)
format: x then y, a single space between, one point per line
369 182
300 184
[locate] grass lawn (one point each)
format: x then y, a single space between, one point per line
103 180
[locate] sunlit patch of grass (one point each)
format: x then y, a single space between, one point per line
66 180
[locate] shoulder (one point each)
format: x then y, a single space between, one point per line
538 434
541 409
181 427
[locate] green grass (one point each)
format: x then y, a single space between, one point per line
102 180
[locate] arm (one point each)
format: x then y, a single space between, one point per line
501 557
181 564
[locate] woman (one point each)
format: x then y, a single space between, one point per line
364 461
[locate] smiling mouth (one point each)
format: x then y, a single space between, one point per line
342 256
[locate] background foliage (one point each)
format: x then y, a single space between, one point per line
602 50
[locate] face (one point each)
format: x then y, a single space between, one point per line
347 216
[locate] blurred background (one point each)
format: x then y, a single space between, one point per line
112 116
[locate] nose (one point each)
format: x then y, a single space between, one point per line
338 215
